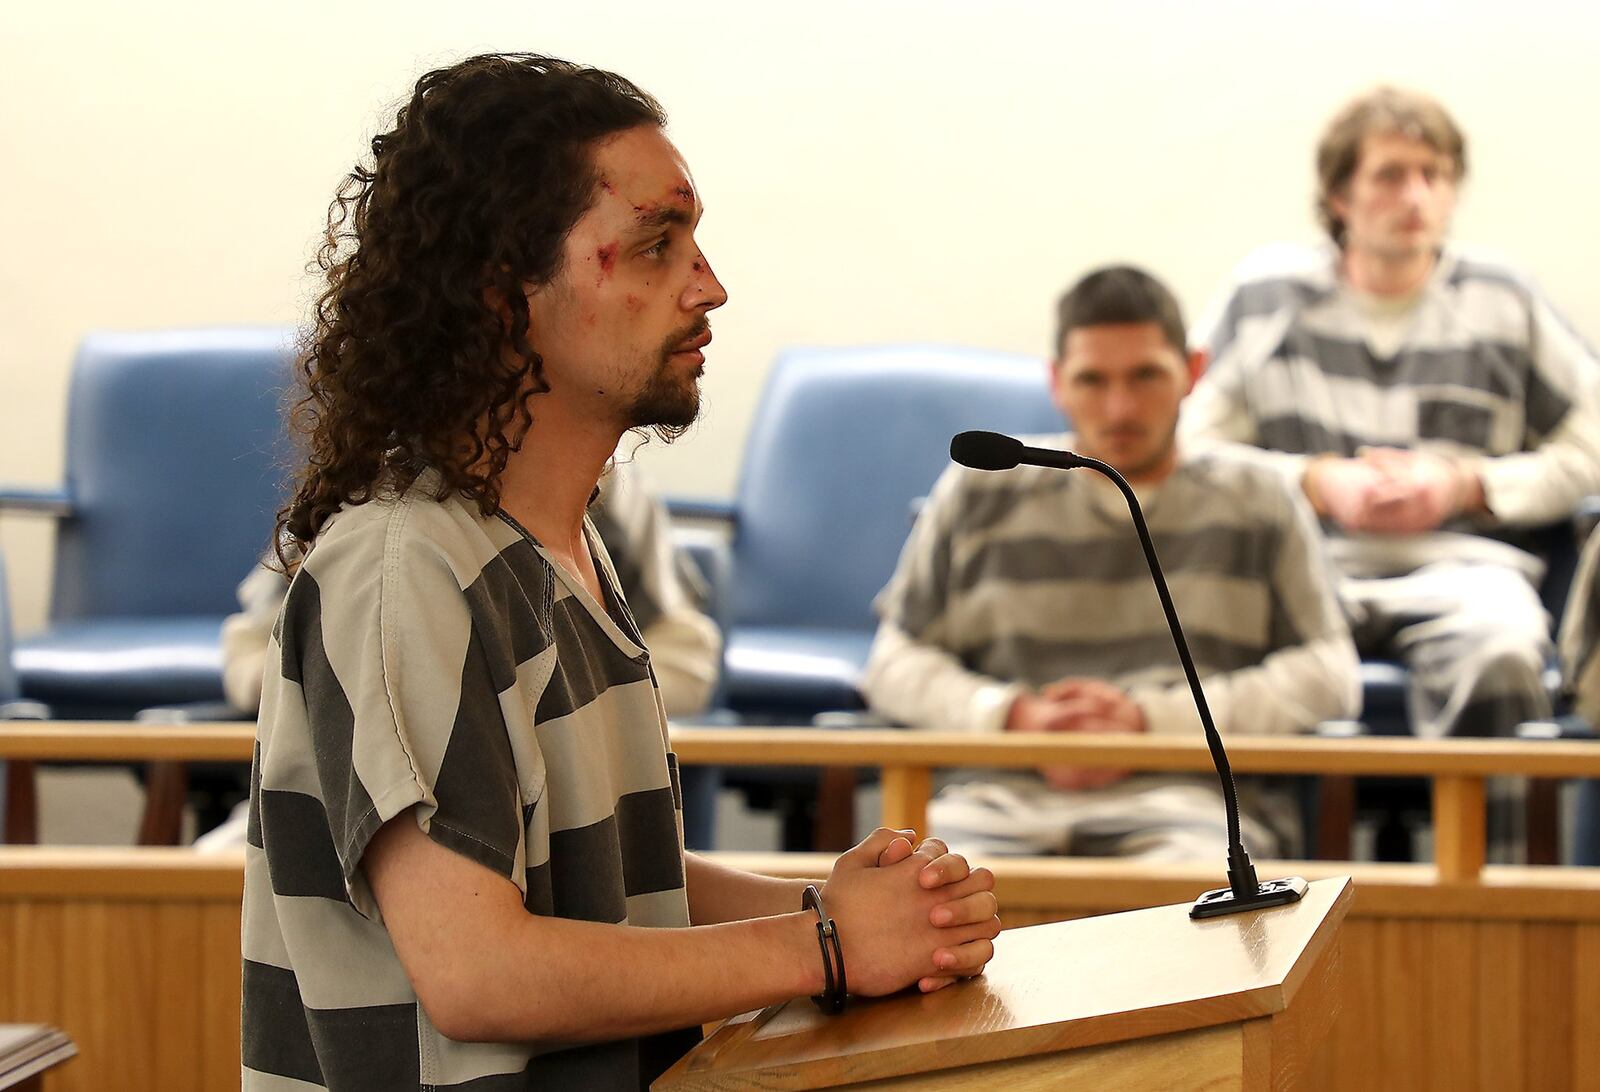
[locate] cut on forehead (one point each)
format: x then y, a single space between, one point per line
641 166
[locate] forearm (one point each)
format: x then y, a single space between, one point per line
926 687
556 981
1291 691
718 893
1545 484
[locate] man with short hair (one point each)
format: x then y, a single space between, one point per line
1023 603
465 863
1430 404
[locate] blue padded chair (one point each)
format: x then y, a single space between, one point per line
843 442
175 448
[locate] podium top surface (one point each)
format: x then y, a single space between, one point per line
1049 987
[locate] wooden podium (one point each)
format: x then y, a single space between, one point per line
1147 999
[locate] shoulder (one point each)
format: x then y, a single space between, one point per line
965 501
1285 272
1473 265
415 540
1243 485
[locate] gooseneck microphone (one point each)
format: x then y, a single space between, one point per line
993 451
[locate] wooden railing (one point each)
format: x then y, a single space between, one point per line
906 760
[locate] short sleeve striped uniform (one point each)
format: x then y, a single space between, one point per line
432 659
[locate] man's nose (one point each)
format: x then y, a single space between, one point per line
705 290
1121 404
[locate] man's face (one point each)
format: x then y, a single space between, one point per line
621 326
1120 386
1397 205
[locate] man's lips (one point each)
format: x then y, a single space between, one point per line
694 344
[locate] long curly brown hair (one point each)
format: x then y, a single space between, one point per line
419 354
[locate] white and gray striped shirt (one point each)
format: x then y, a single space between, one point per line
1010 581
1485 371
433 661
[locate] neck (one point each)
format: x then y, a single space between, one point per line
548 481
1387 275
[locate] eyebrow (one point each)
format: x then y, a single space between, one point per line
653 219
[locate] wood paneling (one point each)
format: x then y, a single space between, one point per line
135 954
1493 984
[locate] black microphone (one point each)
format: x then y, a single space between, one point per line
993 451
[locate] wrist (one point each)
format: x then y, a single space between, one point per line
835 983
1017 714
1469 498
800 942
1311 484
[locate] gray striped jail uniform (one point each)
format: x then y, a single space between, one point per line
1482 370
664 593
1013 580
433 660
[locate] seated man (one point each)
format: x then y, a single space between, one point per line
1023 603
661 591
1428 402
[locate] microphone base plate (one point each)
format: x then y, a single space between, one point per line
1214 904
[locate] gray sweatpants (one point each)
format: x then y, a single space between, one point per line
1153 817
1475 639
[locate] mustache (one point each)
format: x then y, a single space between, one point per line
688 333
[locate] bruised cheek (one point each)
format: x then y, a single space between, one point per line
606 259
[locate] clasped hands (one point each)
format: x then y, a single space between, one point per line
1391 491
910 912
1077 705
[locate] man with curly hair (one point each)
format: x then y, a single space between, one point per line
465 863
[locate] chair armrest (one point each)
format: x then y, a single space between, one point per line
705 564
1570 726
703 509
854 720
194 712
23 709
46 502
1340 729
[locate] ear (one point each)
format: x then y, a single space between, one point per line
1198 359
1339 204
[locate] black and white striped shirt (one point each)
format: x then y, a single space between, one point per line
1482 369
428 658
1013 580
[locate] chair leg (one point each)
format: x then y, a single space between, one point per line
166 787
835 822
1336 816
22 805
1544 837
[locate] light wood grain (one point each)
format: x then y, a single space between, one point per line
1207 1060
905 797
1114 978
1458 827
95 741
1484 977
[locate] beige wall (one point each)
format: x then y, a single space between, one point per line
872 171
